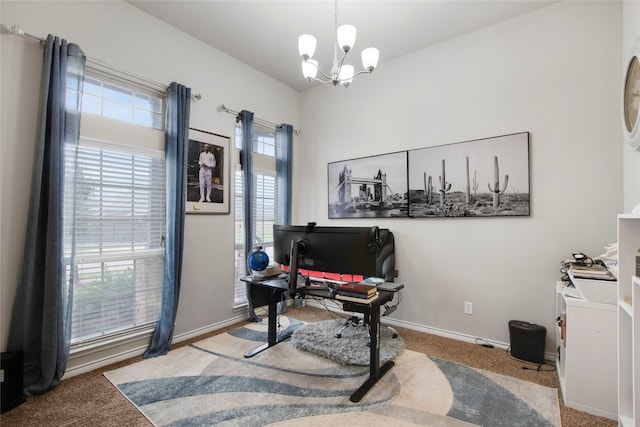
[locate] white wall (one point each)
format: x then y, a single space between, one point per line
555 73
124 36
630 33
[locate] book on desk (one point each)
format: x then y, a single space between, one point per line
357 288
358 299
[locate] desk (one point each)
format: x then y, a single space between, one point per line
275 289
271 290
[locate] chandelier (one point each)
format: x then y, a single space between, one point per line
341 73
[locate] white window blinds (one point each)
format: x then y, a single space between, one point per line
116 197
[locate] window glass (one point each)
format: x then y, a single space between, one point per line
148 103
118 94
115 102
92 87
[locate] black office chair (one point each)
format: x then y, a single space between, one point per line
384 245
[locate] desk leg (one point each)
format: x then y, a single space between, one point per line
375 371
272 338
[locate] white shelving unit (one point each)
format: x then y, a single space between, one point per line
628 327
586 353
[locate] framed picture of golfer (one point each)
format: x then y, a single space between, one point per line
207 173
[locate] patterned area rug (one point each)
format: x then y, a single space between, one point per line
212 383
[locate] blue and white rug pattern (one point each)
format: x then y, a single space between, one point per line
211 383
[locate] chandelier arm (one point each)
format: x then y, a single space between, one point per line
321 72
342 61
315 79
362 72
343 81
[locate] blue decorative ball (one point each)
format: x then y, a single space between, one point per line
258 260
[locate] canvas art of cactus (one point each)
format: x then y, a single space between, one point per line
479 178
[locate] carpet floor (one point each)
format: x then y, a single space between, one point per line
90 399
211 383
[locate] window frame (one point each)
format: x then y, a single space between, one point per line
132 138
263 165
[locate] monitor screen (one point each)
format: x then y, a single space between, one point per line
349 250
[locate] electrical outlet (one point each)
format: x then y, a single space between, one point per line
468 307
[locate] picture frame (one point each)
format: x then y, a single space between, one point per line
479 178
202 198
368 187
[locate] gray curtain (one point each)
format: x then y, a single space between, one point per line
41 322
284 138
284 156
176 141
246 160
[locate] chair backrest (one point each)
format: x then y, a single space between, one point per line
385 256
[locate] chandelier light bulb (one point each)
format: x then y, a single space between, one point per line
370 57
346 37
346 74
306 45
309 69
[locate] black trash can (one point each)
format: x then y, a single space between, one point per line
527 341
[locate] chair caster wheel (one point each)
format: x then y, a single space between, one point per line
338 335
395 335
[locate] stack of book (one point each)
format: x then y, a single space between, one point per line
357 292
595 271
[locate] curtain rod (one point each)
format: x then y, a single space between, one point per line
18 31
264 123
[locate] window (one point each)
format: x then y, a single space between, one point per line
110 100
116 197
264 204
264 141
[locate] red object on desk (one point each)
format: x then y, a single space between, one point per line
358 288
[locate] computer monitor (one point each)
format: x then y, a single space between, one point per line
349 250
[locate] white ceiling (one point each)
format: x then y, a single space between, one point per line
264 33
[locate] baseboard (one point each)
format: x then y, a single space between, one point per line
109 353
211 328
103 360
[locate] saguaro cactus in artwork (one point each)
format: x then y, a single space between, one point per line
428 189
496 187
475 186
468 192
444 185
